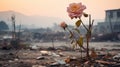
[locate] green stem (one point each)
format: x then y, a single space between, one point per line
87 48
68 30
84 26
81 52
74 37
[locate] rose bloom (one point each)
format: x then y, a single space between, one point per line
75 10
63 25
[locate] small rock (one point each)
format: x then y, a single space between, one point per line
16 59
45 53
10 61
25 54
61 62
54 64
117 57
61 54
40 58
58 64
34 47
55 55
74 58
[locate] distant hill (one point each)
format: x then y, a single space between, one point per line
30 21
36 21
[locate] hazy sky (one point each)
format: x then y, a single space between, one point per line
57 8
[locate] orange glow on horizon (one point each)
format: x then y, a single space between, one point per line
57 8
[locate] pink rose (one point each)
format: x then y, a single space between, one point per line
75 10
63 25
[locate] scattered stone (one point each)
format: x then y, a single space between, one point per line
46 58
54 64
61 62
117 57
40 58
10 61
55 55
58 63
45 53
16 59
61 54
34 47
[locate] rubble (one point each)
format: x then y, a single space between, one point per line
56 58
45 53
117 57
40 58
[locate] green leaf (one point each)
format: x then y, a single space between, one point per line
80 41
71 35
77 30
78 23
72 41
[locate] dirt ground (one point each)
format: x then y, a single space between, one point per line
51 58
